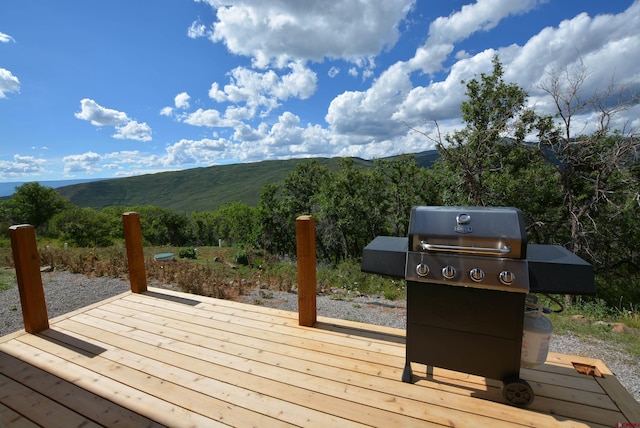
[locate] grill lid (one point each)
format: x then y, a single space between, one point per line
480 231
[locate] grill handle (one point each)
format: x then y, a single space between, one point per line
465 250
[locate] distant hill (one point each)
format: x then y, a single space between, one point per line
198 189
8 189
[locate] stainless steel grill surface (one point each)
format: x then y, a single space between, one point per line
470 246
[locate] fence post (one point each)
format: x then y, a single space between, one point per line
27 263
135 253
306 252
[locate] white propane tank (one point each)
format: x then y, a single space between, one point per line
536 336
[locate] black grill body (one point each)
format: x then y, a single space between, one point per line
460 322
470 330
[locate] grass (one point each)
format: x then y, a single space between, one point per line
590 320
7 278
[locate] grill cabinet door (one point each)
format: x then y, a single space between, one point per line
465 329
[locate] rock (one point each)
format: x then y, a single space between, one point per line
618 327
580 318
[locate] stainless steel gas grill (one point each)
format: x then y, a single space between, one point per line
468 276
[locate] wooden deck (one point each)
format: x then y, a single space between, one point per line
167 358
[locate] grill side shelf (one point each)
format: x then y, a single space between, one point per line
385 255
554 269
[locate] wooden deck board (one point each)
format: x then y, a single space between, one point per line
167 358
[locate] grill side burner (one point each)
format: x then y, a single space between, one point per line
468 270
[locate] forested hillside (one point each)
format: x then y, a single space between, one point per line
199 189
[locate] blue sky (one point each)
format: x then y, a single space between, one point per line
125 87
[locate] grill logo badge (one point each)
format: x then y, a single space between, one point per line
462 223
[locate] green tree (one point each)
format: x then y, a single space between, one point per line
83 227
204 228
276 232
488 162
406 185
236 223
35 204
301 187
352 210
497 122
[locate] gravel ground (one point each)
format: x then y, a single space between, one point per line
65 292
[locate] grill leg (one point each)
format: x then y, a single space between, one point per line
407 374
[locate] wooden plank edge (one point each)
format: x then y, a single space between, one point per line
629 407
568 360
13 419
18 333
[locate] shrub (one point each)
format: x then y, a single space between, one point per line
188 253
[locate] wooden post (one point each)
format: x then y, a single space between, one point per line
27 262
306 252
135 253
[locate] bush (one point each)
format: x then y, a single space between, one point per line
188 253
242 259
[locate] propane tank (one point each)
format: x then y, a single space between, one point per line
536 336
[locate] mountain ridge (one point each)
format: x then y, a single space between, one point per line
200 189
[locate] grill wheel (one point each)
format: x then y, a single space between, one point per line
517 392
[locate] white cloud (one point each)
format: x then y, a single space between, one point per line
5 38
276 32
98 115
88 162
8 83
197 29
133 130
209 118
263 91
333 72
21 166
126 128
190 152
182 100
379 112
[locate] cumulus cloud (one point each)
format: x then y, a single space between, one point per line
126 128
8 83
265 90
196 29
21 166
88 162
182 100
5 38
98 115
133 130
276 32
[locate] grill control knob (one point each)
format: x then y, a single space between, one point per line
422 269
507 277
476 274
448 272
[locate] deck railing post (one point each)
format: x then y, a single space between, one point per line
27 263
135 253
306 252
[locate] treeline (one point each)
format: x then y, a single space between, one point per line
582 191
